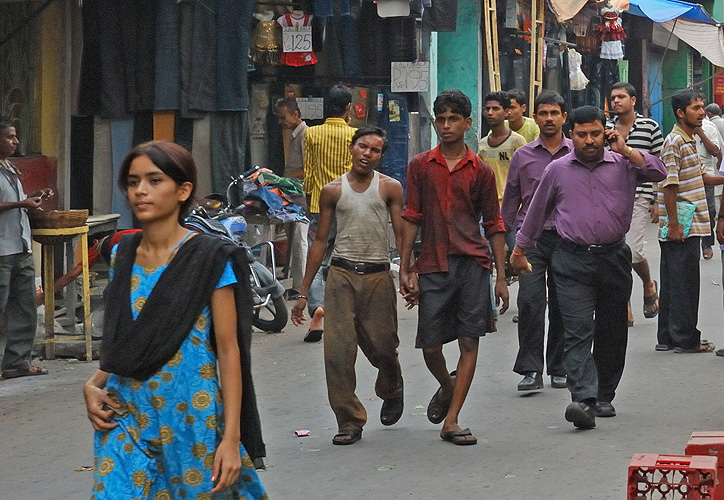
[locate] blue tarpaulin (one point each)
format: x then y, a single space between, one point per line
661 11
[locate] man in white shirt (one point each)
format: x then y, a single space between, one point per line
709 146
17 273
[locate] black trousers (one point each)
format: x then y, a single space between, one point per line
679 293
532 310
593 292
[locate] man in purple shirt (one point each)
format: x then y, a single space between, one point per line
590 192
526 169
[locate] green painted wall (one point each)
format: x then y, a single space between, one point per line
458 61
717 10
674 78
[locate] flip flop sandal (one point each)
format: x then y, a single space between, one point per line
353 435
437 409
24 372
392 409
313 335
458 437
649 302
705 346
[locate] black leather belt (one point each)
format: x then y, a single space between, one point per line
359 267
593 249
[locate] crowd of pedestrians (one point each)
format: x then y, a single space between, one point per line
565 212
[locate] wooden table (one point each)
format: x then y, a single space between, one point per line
48 260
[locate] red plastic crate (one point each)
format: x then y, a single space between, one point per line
711 444
671 477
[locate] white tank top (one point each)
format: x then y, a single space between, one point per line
362 218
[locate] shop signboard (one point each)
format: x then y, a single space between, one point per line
297 39
311 108
410 77
719 88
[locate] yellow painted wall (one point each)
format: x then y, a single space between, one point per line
48 79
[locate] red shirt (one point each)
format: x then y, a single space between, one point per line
448 205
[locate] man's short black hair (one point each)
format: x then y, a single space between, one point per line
501 97
453 100
371 131
6 122
587 114
520 97
549 97
714 109
681 99
289 104
630 89
338 98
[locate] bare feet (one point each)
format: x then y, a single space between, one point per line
317 322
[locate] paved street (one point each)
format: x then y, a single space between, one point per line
526 450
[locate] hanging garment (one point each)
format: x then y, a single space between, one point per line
296 58
611 33
266 43
232 46
577 77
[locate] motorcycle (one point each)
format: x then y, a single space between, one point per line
216 216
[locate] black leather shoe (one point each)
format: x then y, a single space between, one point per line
531 382
581 415
604 409
558 381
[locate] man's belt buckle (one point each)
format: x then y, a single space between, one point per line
359 268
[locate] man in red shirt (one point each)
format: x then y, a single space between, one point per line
449 189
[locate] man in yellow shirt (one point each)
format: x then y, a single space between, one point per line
498 147
517 122
497 150
326 157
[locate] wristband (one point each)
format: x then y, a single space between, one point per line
302 297
518 254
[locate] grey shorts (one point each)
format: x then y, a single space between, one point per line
454 304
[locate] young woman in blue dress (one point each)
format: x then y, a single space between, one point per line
166 403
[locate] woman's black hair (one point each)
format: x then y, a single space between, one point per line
173 160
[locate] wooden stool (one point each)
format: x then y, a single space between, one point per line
48 260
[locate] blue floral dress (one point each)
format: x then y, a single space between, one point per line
169 425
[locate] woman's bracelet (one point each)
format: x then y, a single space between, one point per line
302 297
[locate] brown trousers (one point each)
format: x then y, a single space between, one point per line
359 310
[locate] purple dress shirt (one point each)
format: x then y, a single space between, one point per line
590 206
526 170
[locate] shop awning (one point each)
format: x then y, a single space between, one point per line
657 10
688 21
660 11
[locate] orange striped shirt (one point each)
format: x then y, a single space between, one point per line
685 172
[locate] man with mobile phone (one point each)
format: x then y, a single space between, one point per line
17 273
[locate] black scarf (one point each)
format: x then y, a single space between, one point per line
138 349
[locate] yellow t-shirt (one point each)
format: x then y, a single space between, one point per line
529 130
499 158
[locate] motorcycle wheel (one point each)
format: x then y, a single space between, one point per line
273 317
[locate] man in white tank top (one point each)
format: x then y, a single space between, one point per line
360 301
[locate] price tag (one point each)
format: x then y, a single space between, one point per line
410 76
311 108
297 39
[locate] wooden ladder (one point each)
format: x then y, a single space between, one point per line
536 50
491 43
